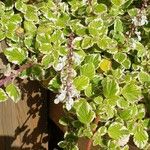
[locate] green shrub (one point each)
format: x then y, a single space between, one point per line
95 54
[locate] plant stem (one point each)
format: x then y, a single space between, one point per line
89 142
69 65
14 75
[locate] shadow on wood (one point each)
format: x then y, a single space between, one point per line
25 123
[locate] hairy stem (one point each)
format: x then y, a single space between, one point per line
14 75
69 65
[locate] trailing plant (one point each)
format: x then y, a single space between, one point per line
94 54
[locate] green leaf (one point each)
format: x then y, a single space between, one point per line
19 5
16 18
13 92
100 8
88 70
2 35
81 82
126 63
93 58
45 28
110 87
140 138
95 26
55 38
117 73
75 4
128 113
120 57
31 13
144 77
84 112
87 42
88 91
87 132
11 30
131 92
15 55
79 56
43 38
64 121
63 20
2 10
141 111
77 42
119 37
116 130
47 61
106 111
146 123
75 147
28 41
98 100
54 84
106 43
127 3
37 72
112 145
45 48
122 103
30 27
118 27
111 101
140 48
80 30
118 2
3 96
133 12
62 144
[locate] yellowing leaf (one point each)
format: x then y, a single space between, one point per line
105 65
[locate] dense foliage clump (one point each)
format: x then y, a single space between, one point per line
94 54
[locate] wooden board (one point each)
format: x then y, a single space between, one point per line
24 125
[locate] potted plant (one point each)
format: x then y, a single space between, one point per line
94 55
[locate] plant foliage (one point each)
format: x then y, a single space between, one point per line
94 54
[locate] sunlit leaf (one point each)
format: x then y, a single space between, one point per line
110 88
84 112
116 130
13 92
3 96
15 55
131 92
88 70
81 82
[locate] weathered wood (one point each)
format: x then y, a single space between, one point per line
24 125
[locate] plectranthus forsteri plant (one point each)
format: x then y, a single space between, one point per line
94 55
